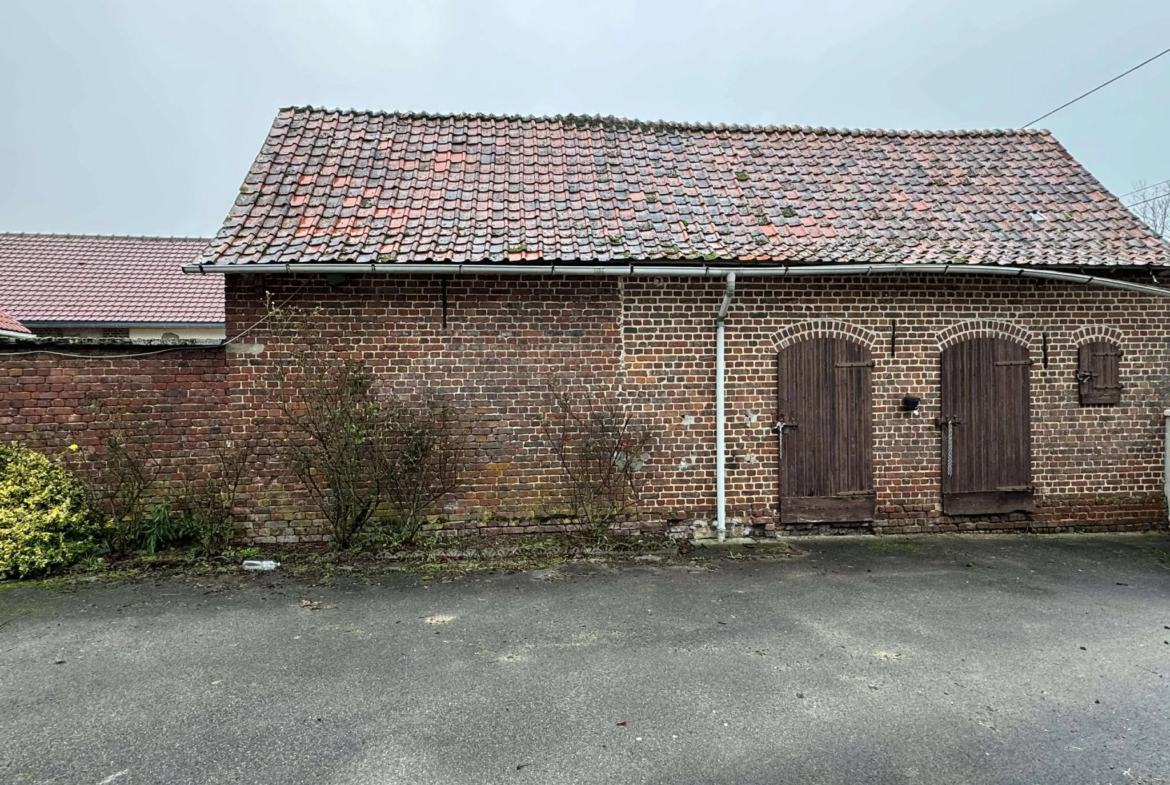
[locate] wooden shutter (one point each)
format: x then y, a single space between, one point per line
1097 373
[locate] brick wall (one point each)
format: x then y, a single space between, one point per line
492 343
1097 466
177 400
653 340
503 340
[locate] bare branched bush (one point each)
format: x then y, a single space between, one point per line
602 446
151 503
336 430
124 480
206 509
428 441
1152 205
368 458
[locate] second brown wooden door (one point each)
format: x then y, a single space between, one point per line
985 427
825 432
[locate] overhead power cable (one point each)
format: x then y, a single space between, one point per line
1145 201
1143 188
1098 87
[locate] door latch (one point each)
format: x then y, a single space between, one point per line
949 421
778 429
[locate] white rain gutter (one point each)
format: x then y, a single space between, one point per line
15 335
710 271
720 424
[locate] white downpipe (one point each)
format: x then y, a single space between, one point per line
1166 461
720 424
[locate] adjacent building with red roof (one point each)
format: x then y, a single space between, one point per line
98 286
10 326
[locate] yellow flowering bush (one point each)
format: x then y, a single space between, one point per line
46 521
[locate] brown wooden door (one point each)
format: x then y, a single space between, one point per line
985 425
825 424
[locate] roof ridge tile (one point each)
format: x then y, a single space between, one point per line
69 235
633 123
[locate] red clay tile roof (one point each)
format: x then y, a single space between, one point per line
69 278
9 324
332 186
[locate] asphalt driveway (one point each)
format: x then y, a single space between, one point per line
964 660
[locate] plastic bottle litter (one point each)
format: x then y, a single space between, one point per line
252 564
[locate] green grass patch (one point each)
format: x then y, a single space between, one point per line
888 544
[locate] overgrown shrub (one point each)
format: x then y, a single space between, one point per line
427 443
368 458
46 521
124 484
153 515
602 446
206 509
149 509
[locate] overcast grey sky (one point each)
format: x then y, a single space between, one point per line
142 116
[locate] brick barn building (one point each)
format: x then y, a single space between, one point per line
833 330
897 331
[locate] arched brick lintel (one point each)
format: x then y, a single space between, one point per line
1097 332
824 328
985 328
